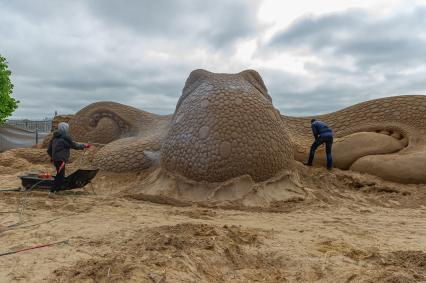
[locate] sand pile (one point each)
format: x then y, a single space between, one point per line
242 192
304 187
190 252
312 226
184 252
11 162
288 190
32 155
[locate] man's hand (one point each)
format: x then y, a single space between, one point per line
87 145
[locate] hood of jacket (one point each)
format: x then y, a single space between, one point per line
57 134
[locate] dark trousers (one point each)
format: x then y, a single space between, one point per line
328 140
60 175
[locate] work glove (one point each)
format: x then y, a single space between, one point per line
88 145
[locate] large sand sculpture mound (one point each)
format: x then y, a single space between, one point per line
226 140
225 126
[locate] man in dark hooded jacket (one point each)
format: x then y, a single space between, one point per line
322 134
59 152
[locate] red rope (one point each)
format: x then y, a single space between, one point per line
35 247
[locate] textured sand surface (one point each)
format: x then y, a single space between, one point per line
226 126
331 227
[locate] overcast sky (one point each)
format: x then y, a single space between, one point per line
314 56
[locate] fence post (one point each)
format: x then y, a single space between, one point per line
36 136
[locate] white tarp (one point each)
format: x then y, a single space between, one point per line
12 137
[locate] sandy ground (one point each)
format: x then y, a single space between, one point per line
350 228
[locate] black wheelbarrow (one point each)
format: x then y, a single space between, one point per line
76 180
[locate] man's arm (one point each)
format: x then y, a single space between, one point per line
314 131
74 145
78 146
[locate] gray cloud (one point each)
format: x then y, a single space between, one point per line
67 54
292 97
218 24
370 41
387 57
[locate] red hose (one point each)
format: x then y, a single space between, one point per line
35 247
61 167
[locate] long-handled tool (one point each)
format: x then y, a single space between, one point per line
10 190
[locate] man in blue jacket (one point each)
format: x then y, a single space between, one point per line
322 134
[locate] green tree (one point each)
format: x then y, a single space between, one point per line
7 103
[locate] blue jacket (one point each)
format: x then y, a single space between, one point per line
321 129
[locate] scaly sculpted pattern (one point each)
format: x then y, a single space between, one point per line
225 126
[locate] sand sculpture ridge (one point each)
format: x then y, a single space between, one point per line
226 126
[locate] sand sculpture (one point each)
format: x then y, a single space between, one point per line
225 126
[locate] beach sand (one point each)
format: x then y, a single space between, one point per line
335 226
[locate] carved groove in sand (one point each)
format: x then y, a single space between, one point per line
225 126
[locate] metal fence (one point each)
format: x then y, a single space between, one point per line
23 133
43 126
13 137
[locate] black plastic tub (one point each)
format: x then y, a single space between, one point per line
76 180
35 182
